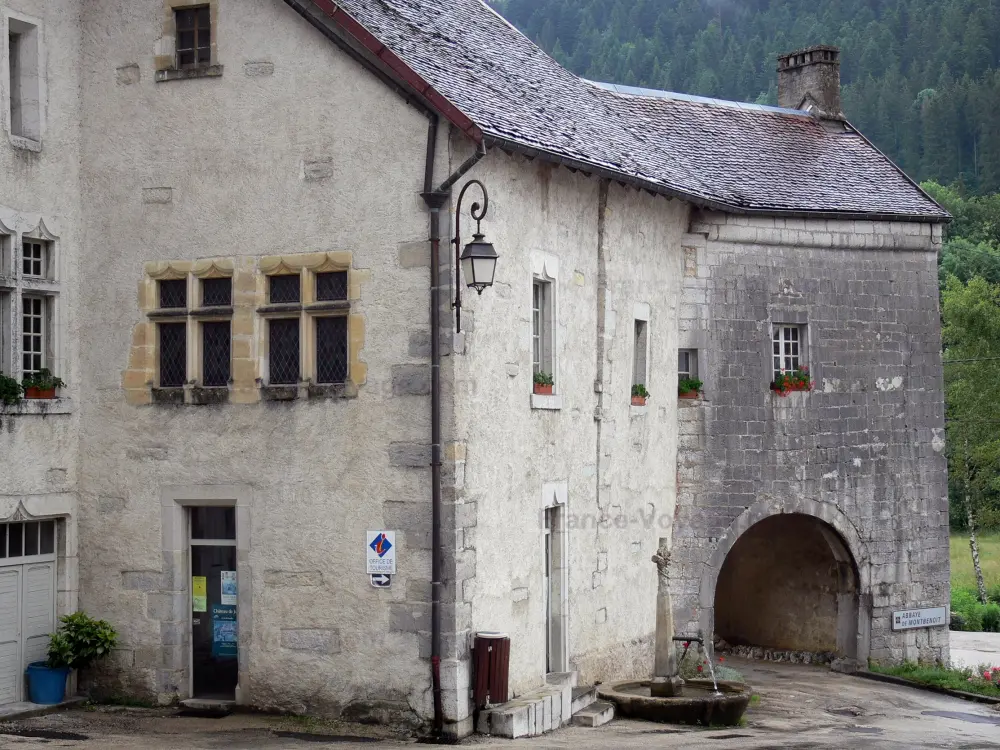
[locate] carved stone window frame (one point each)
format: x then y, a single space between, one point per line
249 315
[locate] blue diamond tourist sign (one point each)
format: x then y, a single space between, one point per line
380 547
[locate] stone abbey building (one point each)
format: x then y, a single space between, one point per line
228 226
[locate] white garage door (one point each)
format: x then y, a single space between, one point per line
27 601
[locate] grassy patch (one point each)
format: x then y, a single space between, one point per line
755 700
965 680
962 574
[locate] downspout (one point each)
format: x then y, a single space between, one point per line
435 200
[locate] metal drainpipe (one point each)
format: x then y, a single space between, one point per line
435 200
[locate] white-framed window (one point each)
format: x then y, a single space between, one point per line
687 364
29 303
788 347
34 324
640 352
541 327
24 79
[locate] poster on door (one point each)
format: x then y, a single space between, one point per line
229 587
199 594
224 644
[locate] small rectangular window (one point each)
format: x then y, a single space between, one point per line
47 543
194 36
331 287
173 293
31 538
173 354
284 289
283 351
217 292
787 348
640 352
541 327
687 364
32 334
24 82
3 540
34 258
331 350
216 353
15 539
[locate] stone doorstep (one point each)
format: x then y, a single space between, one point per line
534 713
583 696
208 707
597 714
27 710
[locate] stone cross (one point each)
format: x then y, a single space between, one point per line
666 682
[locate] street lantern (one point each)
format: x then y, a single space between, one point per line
478 259
479 262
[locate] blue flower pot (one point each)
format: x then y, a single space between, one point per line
46 686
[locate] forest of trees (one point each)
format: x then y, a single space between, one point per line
921 77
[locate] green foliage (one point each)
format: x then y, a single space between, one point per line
687 385
920 77
80 641
543 378
991 618
965 680
43 380
10 390
640 391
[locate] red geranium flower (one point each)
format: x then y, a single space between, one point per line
699 667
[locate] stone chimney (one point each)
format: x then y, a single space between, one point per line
809 79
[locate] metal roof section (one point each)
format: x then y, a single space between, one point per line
619 88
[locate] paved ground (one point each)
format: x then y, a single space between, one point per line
800 707
975 649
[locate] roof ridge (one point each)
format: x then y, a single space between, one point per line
645 93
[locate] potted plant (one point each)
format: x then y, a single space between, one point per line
798 380
689 388
79 642
42 384
543 384
10 390
639 395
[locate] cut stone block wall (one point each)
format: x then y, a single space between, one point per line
864 451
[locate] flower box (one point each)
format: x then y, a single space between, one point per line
638 401
787 382
543 390
688 394
39 393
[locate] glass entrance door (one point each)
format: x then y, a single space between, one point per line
214 586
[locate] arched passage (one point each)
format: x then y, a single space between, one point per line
788 583
790 575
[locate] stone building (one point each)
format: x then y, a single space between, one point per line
230 205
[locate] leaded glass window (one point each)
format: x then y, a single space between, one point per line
284 289
331 287
283 351
216 353
173 293
217 292
173 354
331 350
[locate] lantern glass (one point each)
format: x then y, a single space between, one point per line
479 263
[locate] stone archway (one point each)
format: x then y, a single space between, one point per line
790 577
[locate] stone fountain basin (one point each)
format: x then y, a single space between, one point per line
696 704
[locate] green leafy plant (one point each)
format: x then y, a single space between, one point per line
10 390
544 378
799 380
43 380
80 641
689 385
640 391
